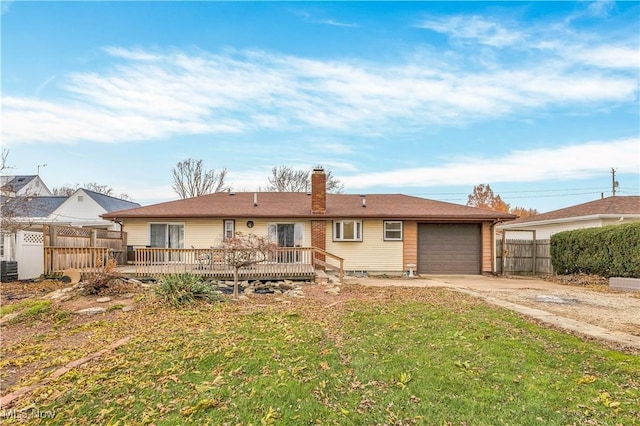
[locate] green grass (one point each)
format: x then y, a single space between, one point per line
26 310
425 357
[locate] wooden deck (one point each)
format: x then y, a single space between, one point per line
284 263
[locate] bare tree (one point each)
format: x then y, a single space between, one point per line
67 190
15 210
191 179
287 179
4 163
245 250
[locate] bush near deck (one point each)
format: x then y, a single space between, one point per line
611 251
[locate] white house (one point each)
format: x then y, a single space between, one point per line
83 209
594 214
22 186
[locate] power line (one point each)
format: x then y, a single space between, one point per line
599 188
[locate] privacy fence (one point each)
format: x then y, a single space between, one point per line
523 257
82 248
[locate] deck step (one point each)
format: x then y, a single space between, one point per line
321 277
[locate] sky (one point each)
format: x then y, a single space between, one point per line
540 100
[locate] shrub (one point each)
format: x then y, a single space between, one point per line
184 289
609 251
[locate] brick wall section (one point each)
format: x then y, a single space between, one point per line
409 244
319 236
487 248
318 191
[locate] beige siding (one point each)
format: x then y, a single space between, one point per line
137 231
202 233
372 254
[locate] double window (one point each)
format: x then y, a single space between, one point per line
392 230
347 230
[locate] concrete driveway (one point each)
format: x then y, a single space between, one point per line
604 315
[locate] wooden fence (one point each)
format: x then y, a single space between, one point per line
73 237
88 260
526 257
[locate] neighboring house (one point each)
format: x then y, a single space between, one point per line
375 233
594 214
83 209
23 186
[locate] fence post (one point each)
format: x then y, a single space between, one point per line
504 252
535 252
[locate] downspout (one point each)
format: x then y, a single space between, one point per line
493 246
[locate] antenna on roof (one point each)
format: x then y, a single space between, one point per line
40 165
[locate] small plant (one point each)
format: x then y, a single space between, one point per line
28 309
183 289
103 280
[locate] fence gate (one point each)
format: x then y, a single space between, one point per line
29 254
522 256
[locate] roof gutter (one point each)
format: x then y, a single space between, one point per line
634 216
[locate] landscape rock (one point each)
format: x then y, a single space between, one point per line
103 299
128 309
5 319
91 311
128 296
59 293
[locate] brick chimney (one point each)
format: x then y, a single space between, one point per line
318 191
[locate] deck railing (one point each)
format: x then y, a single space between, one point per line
87 259
285 262
322 259
295 262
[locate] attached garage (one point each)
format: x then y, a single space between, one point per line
449 248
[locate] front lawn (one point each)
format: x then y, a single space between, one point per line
370 356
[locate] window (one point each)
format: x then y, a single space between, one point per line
347 230
80 198
286 234
166 235
393 230
229 229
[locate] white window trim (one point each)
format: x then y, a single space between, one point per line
386 238
233 228
340 223
184 231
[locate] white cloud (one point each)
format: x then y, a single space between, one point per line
601 8
535 165
150 95
474 29
335 23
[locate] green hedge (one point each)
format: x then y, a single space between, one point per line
611 251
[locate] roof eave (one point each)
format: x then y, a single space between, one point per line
572 219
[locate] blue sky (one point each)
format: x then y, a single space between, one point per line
538 99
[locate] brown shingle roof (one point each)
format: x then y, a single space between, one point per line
605 206
298 205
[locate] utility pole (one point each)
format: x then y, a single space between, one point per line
614 182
